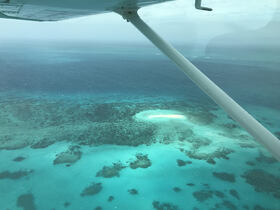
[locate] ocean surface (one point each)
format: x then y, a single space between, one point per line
106 126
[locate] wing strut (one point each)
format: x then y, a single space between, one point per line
259 132
198 6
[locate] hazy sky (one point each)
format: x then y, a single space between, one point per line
176 21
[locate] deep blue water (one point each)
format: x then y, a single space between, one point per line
133 70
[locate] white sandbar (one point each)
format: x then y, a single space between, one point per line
159 115
172 116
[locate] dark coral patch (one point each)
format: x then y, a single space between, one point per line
130 133
42 143
142 161
247 145
72 155
234 193
203 195
202 117
229 205
103 112
98 208
182 162
93 189
110 198
199 142
263 181
250 163
110 171
225 205
266 159
15 175
26 201
66 204
219 194
246 207
19 159
190 184
133 191
259 207
8 142
164 206
220 153
230 126
177 189
183 134
224 176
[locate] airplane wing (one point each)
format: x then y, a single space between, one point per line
53 10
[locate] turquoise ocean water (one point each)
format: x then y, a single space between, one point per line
85 126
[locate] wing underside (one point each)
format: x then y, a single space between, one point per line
53 10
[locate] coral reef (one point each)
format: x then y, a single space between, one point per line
164 206
183 133
202 195
247 145
182 162
110 198
234 193
230 126
225 205
26 202
45 142
133 191
250 163
93 189
142 161
110 171
177 189
224 176
220 153
72 155
12 143
120 133
94 124
103 112
263 181
201 117
265 159
199 142
259 207
206 185
66 204
98 208
19 159
229 205
190 184
219 194
246 207
15 175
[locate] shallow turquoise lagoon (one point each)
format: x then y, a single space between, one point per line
104 127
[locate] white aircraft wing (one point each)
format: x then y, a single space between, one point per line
52 10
